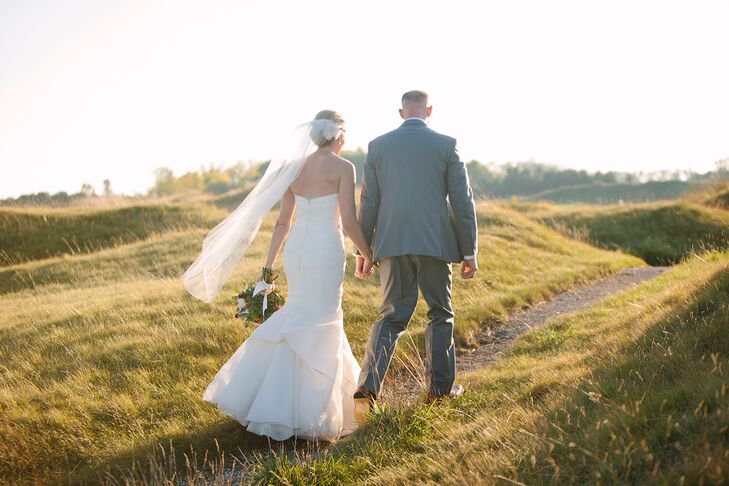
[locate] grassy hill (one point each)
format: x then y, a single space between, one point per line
631 390
104 355
31 234
659 233
714 195
166 255
613 193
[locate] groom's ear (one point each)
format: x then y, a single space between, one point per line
429 110
402 113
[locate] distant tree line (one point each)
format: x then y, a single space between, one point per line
215 180
212 180
530 178
513 179
58 199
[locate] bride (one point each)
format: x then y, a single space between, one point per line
295 375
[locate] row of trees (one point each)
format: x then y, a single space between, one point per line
214 180
530 178
513 179
60 198
519 179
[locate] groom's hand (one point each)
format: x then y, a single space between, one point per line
368 269
363 269
468 268
359 267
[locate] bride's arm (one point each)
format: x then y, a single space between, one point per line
282 228
347 209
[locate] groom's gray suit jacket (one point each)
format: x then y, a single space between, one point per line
416 198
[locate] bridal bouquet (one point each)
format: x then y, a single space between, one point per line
257 301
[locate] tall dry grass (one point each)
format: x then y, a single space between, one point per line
104 355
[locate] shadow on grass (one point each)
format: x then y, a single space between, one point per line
191 455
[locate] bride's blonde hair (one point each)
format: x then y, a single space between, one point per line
322 138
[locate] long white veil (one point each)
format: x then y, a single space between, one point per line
225 245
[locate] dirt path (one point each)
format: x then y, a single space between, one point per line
404 388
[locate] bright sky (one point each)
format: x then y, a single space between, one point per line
95 89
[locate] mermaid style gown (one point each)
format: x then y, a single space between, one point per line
295 375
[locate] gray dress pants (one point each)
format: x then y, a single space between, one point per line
400 279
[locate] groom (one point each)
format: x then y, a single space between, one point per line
418 206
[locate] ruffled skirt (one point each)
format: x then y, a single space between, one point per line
293 377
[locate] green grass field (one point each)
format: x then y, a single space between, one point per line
660 233
104 355
30 234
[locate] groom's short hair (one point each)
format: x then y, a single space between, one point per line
415 96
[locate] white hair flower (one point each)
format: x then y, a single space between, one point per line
324 130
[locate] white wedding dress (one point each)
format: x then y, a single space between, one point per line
295 375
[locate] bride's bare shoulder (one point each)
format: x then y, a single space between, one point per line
341 162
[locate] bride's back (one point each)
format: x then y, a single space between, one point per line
319 176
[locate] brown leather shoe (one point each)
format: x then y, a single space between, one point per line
363 402
456 391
